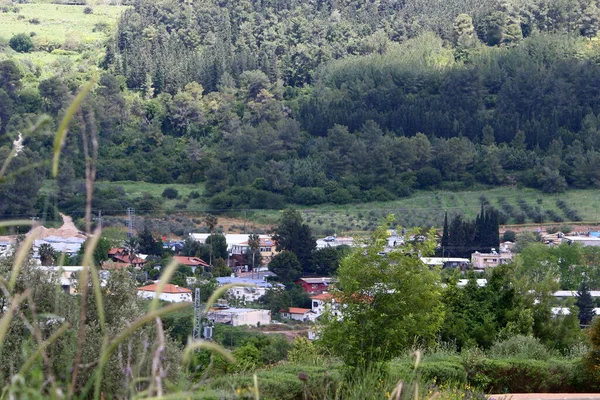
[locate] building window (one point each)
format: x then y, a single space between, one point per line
315 304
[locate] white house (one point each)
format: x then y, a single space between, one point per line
171 293
324 302
487 260
299 314
239 316
256 289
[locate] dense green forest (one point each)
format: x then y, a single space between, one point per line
271 102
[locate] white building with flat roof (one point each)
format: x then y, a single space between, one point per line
239 316
171 293
249 290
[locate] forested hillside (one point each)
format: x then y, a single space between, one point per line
274 102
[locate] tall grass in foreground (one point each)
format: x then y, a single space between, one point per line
20 305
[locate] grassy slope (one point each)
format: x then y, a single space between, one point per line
424 207
66 26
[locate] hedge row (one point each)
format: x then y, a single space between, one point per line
487 375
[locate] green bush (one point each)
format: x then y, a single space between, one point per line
528 376
442 372
21 43
509 236
520 346
170 193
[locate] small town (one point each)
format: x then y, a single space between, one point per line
300 200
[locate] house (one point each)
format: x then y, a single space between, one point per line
171 293
236 245
446 262
193 262
120 255
249 290
267 250
299 314
65 275
487 260
323 302
314 285
239 316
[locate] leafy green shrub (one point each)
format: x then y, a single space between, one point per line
170 193
194 194
509 236
88 10
527 376
304 352
443 371
520 346
21 43
34 21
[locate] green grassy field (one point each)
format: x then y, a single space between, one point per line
60 23
423 208
63 36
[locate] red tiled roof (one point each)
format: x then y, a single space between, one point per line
115 250
191 261
114 265
298 310
168 288
322 296
127 259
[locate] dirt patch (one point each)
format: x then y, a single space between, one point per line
289 335
238 225
67 230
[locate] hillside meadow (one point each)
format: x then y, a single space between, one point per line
424 208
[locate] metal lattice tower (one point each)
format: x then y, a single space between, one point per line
130 221
197 332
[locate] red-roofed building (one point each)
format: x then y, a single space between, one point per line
172 293
116 251
315 285
323 302
299 314
136 262
193 262
119 255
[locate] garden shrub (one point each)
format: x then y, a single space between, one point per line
520 346
527 376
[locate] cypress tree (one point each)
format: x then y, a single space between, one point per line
585 304
445 238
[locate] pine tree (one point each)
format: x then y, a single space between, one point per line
585 304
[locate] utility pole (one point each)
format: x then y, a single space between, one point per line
197 332
130 221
